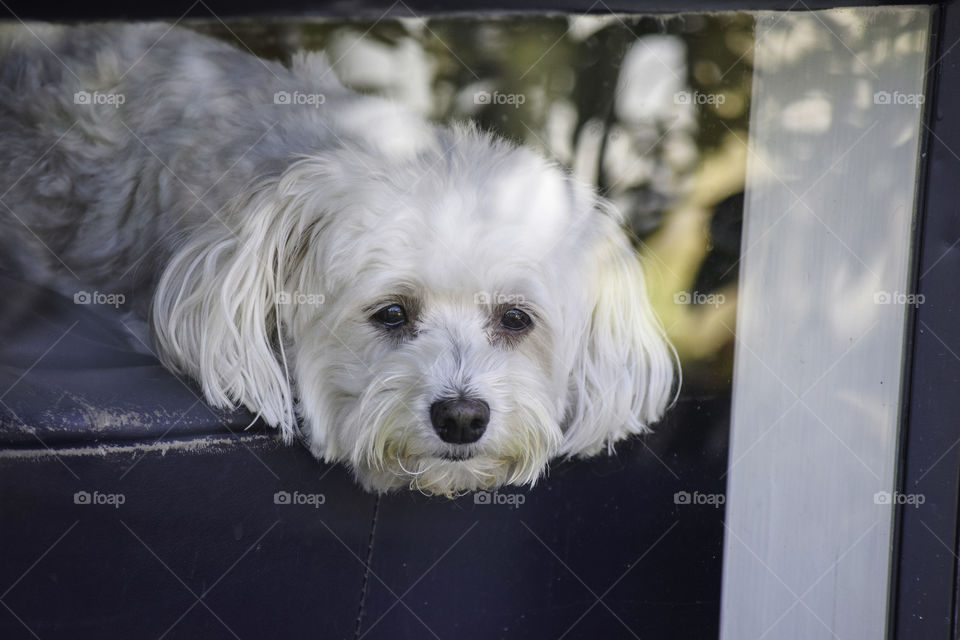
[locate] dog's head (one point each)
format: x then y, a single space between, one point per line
449 318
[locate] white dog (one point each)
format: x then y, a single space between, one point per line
433 306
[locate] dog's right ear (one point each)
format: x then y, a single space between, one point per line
215 308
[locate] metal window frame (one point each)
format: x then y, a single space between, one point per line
924 559
169 10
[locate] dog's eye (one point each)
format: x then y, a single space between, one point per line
515 320
391 316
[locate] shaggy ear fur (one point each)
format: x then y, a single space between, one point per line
624 371
216 307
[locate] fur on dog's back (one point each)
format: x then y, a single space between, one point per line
185 123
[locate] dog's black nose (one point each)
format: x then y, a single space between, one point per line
460 420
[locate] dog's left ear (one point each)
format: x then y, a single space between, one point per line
623 372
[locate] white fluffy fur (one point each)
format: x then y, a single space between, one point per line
278 229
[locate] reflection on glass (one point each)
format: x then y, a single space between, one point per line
834 137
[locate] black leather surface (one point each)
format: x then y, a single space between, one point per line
76 373
198 524
599 550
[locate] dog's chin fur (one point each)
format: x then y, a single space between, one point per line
438 476
392 452
270 234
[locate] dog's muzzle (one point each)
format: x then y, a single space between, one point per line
460 420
